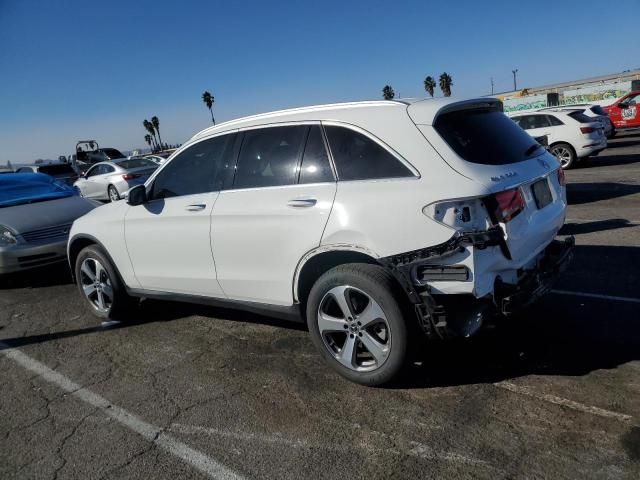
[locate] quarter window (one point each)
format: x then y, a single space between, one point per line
315 167
201 168
554 121
269 157
357 157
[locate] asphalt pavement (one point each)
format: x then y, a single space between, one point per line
192 392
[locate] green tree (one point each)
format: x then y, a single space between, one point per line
156 125
445 84
429 85
147 138
388 93
208 100
152 131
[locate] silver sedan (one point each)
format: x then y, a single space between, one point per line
111 180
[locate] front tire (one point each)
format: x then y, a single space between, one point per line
100 285
565 154
113 194
357 323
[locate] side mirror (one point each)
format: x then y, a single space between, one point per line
137 195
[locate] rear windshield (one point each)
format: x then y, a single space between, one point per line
57 170
136 163
597 109
486 136
580 117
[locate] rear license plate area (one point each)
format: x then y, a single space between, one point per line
541 193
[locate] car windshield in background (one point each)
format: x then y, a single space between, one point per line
112 153
136 163
59 169
486 136
581 117
597 109
20 189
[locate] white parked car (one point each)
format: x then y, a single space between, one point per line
596 112
112 180
571 135
371 221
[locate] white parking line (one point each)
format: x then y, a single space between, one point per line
597 295
195 458
564 402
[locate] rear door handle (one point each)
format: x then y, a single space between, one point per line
302 202
195 207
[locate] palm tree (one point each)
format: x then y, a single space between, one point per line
388 93
147 138
156 125
429 85
149 128
445 84
208 100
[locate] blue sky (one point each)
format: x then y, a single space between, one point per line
78 69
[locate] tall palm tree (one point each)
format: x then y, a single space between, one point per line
445 84
429 85
388 93
156 125
149 128
208 100
147 138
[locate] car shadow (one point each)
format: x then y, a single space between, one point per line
595 226
580 193
606 161
47 276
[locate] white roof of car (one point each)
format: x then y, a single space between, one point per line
422 111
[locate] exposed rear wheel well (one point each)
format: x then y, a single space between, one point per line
316 266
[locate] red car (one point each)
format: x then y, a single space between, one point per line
625 112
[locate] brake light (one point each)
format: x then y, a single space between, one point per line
587 129
561 179
130 176
508 204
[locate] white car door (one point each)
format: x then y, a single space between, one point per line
275 212
168 237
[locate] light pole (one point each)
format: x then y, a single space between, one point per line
491 85
515 85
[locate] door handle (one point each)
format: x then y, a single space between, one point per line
196 207
302 202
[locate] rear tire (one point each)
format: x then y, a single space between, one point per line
565 154
356 322
100 285
113 194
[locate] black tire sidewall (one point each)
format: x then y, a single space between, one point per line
121 301
377 283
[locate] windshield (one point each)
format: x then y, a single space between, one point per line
23 188
136 163
112 153
486 136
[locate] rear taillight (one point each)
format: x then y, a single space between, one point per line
508 205
561 179
587 129
130 176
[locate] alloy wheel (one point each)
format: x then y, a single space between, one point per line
113 194
96 284
354 328
563 154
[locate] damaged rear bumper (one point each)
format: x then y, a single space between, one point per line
536 282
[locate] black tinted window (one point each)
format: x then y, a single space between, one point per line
486 136
136 163
598 110
201 168
581 117
554 121
533 121
269 157
57 169
315 166
112 153
357 157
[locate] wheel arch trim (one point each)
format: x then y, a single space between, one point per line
95 241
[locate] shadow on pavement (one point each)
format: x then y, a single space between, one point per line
595 226
607 161
48 276
579 193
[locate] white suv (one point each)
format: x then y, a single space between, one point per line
367 220
571 135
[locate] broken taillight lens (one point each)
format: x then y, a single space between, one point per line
508 205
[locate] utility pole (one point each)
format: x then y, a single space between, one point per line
515 85
491 85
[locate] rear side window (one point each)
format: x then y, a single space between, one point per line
486 136
554 121
597 109
269 157
137 163
580 117
357 157
203 167
315 167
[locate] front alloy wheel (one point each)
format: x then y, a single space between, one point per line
96 285
354 328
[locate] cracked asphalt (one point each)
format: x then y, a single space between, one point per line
551 393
